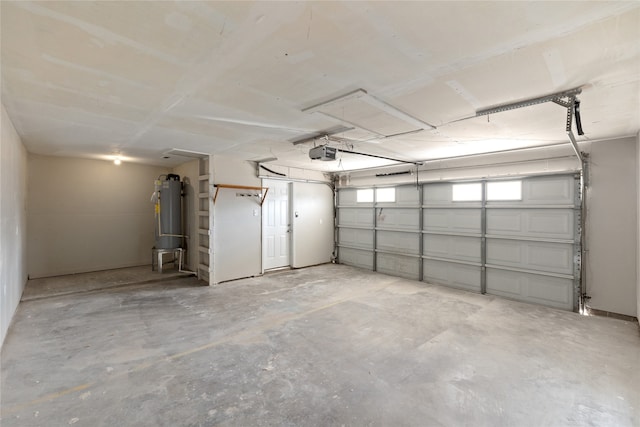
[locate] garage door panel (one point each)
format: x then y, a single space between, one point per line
441 194
538 289
356 257
536 223
456 275
542 256
557 190
550 223
556 258
453 220
357 217
356 237
398 265
404 219
437 193
398 241
407 196
347 197
505 222
452 247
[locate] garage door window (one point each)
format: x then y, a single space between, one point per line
504 190
365 195
385 195
467 192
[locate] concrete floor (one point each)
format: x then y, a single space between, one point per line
322 346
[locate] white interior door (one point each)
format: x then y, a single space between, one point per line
313 224
276 226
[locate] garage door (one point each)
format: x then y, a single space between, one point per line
380 230
533 240
452 235
516 238
356 228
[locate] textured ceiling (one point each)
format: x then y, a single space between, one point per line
92 79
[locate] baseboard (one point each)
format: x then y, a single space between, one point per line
603 313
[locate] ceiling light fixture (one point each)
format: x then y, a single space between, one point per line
117 161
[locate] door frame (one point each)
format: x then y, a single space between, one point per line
265 183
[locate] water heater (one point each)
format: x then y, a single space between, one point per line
168 212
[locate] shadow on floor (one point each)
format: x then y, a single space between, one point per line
70 284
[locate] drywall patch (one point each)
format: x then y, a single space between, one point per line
178 21
93 71
553 59
299 57
465 94
101 34
98 43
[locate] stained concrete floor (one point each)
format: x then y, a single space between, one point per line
97 281
322 346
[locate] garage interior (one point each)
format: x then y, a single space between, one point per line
320 213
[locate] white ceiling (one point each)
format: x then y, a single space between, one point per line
92 79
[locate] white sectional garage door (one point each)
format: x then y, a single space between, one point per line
383 235
355 230
452 235
533 244
473 236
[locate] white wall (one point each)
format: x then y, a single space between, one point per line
189 173
612 226
292 173
638 235
13 217
88 215
312 224
237 222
